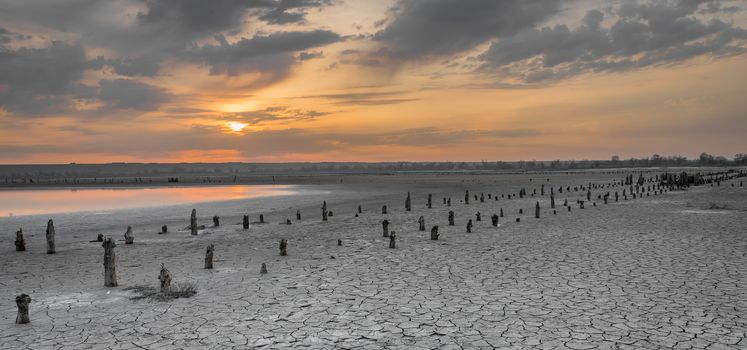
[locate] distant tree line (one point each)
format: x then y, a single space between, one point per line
145 171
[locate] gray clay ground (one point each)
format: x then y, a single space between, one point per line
655 272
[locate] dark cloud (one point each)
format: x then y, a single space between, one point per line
290 11
271 55
305 56
36 81
276 114
422 29
126 94
642 35
144 66
366 98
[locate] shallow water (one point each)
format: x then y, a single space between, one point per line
68 200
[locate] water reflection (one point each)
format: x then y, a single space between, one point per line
45 201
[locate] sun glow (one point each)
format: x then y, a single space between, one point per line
236 126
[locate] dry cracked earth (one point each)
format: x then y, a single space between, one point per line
655 272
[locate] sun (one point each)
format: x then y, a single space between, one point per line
236 126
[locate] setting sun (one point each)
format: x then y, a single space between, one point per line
236 126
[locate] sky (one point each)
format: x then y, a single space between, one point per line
92 81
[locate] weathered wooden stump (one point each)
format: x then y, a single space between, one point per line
581 204
451 218
50 237
408 202
434 233
283 247
22 302
164 229
521 211
245 222
110 263
165 278
478 216
518 219
324 211
383 209
494 220
392 239
216 221
288 221
444 200
129 238
261 218
421 223
537 210
482 197
20 243
360 210
430 203
469 226
339 242
385 227
501 213
331 213
565 202
298 215
552 201
448 202
263 269
554 212
569 208
466 197
209 256
100 237
193 223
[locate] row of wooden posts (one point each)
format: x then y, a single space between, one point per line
110 275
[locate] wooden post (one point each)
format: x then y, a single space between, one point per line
263 269
110 263
482 197
469 226
129 238
383 209
537 210
392 238
494 219
209 256
552 201
165 278
216 221
408 203
298 215
261 219
22 302
451 218
283 247
466 197
193 222
50 237
100 237
421 223
164 229
430 203
360 210
478 217
434 233
339 242
245 223
20 243
324 211
385 226
501 215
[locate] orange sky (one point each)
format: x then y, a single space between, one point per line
370 81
